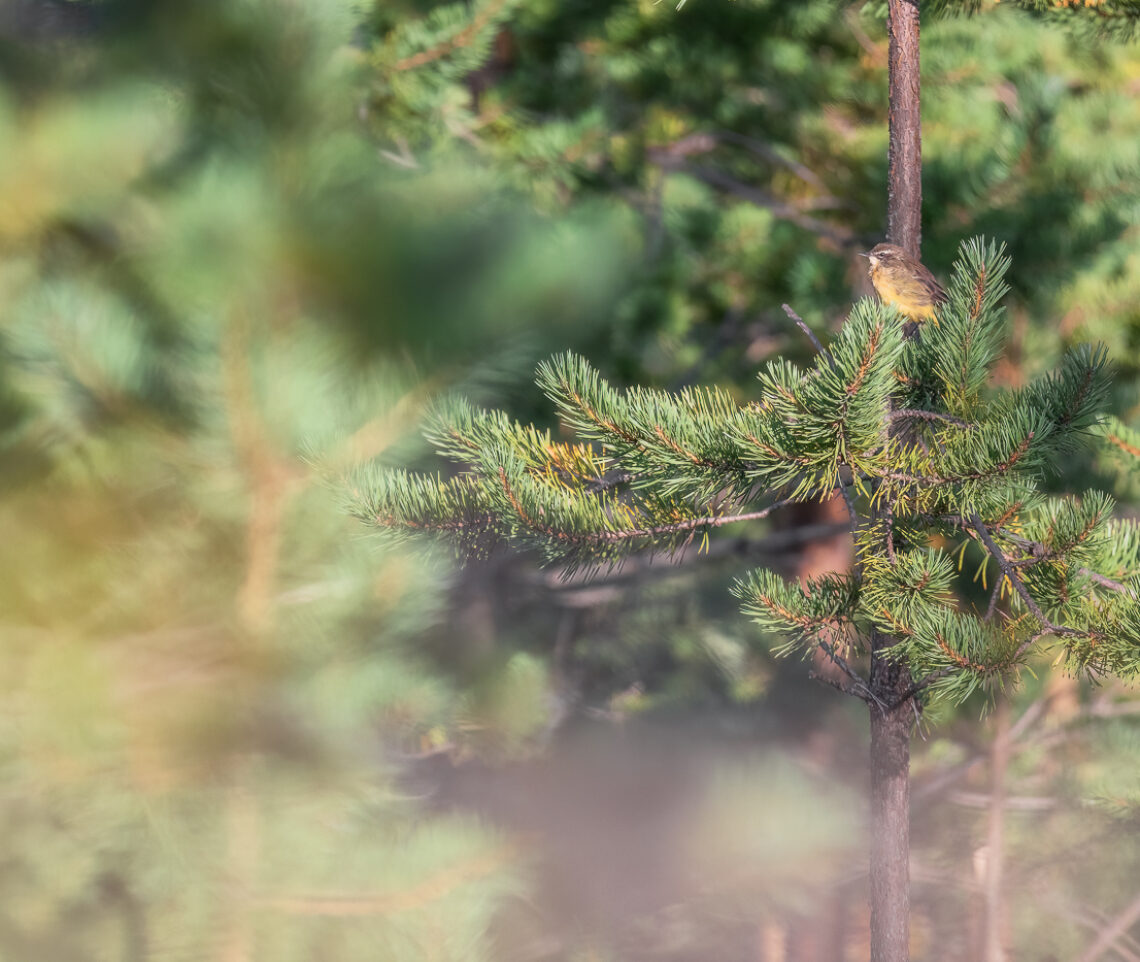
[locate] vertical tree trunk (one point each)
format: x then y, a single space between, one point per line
890 728
890 810
904 156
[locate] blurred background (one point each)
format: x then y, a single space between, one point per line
243 243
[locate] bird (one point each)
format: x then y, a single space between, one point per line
901 280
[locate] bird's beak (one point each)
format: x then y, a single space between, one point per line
863 253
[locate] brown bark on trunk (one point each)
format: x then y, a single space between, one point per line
904 155
890 810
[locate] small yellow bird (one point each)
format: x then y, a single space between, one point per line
901 280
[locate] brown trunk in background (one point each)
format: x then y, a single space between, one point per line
890 728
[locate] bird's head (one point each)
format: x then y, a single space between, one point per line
884 252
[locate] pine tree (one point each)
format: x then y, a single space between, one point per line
935 466
1006 181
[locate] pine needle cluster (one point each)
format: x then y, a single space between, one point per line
941 472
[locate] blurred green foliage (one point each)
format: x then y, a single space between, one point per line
215 299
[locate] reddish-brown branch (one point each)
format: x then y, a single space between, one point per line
1123 445
979 293
462 39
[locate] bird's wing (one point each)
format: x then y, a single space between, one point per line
917 287
935 291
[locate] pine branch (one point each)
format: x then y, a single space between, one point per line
1007 464
1039 552
802 610
967 339
612 536
913 426
679 443
1072 397
1014 579
457 42
1120 436
811 424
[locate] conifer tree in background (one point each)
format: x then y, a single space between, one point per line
747 142
1115 19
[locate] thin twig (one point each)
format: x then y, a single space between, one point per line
1117 927
994 599
704 142
889 517
770 154
925 682
837 685
802 325
1041 552
780 208
1011 574
1034 638
840 661
916 414
1106 581
850 504
605 483
404 158
860 686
